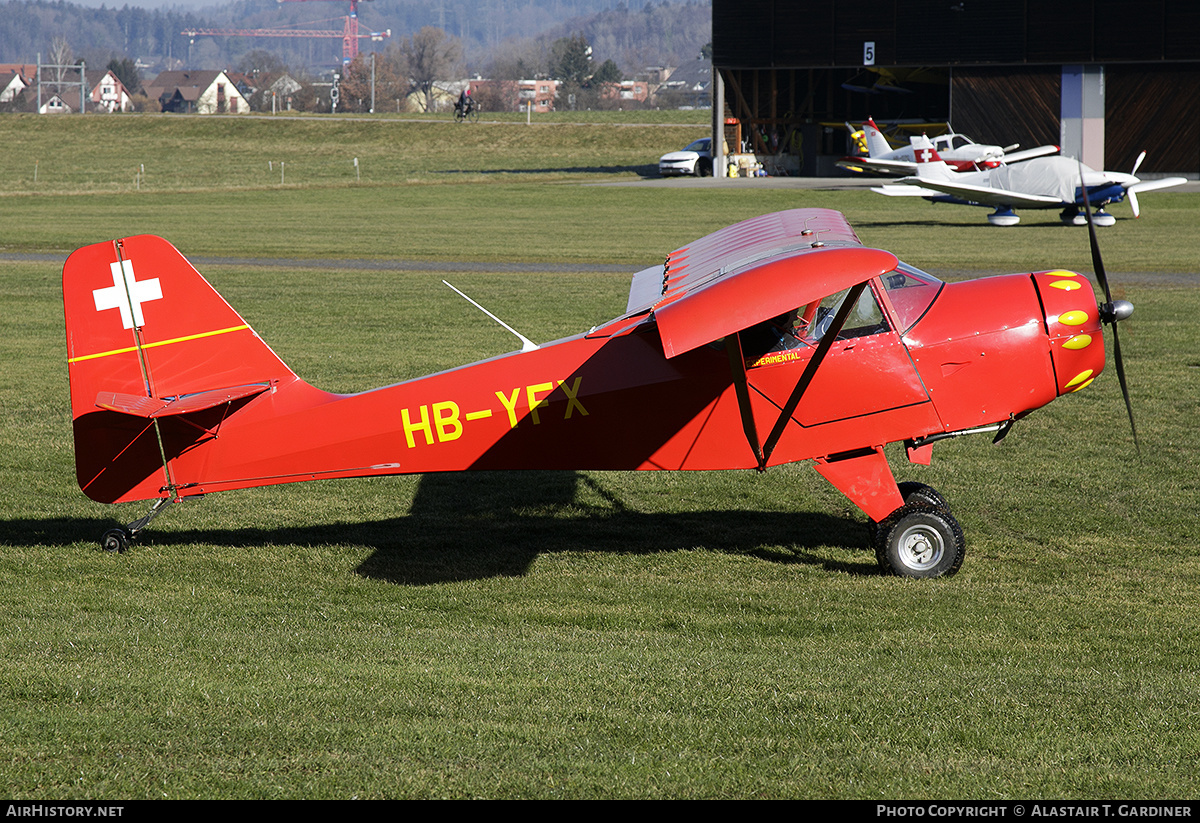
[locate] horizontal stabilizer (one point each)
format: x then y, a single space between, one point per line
152 407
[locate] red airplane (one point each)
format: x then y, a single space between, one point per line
778 339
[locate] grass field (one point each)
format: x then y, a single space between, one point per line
592 634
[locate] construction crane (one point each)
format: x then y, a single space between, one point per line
350 34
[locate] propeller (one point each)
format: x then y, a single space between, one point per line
1131 192
1111 312
1138 163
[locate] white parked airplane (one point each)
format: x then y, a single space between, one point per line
1040 183
956 150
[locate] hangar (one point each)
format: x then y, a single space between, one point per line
1103 79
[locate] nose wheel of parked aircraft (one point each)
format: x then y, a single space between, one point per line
1075 217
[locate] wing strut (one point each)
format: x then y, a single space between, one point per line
737 365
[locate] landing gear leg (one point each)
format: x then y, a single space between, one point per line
119 539
912 492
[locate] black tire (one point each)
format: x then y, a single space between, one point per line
115 540
910 492
920 541
914 492
703 167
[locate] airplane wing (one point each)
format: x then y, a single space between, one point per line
1028 154
969 193
868 165
904 190
755 270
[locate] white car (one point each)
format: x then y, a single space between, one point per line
695 159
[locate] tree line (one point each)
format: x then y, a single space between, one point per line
130 40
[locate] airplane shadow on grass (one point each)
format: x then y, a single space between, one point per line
480 525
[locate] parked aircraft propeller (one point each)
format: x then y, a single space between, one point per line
1111 311
1144 185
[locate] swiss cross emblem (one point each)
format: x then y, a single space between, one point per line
925 155
127 294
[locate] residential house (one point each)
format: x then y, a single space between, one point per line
686 86
626 93
280 93
56 105
13 81
108 92
539 93
197 92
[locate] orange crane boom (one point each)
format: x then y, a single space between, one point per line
349 33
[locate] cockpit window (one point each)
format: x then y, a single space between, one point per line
864 319
911 292
768 342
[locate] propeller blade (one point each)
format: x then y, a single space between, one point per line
1097 262
1120 364
1133 201
1137 163
1102 277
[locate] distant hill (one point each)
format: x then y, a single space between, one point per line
662 33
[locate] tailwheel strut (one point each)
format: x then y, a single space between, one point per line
119 539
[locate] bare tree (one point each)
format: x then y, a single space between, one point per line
61 57
355 85
428 56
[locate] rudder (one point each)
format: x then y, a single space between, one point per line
156 358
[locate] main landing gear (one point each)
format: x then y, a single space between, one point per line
921 538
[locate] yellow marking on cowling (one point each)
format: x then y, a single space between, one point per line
1084 377
1079 341
1066 285
1062 273
1073 318
128 349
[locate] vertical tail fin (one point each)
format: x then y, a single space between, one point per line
930 164
149 340
877 144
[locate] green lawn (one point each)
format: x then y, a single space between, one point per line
592 634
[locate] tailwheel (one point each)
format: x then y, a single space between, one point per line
920 540
118 539
115 540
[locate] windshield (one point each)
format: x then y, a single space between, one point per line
911 291
699 145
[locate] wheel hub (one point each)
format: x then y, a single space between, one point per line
921 547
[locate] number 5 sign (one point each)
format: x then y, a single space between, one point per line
868 52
